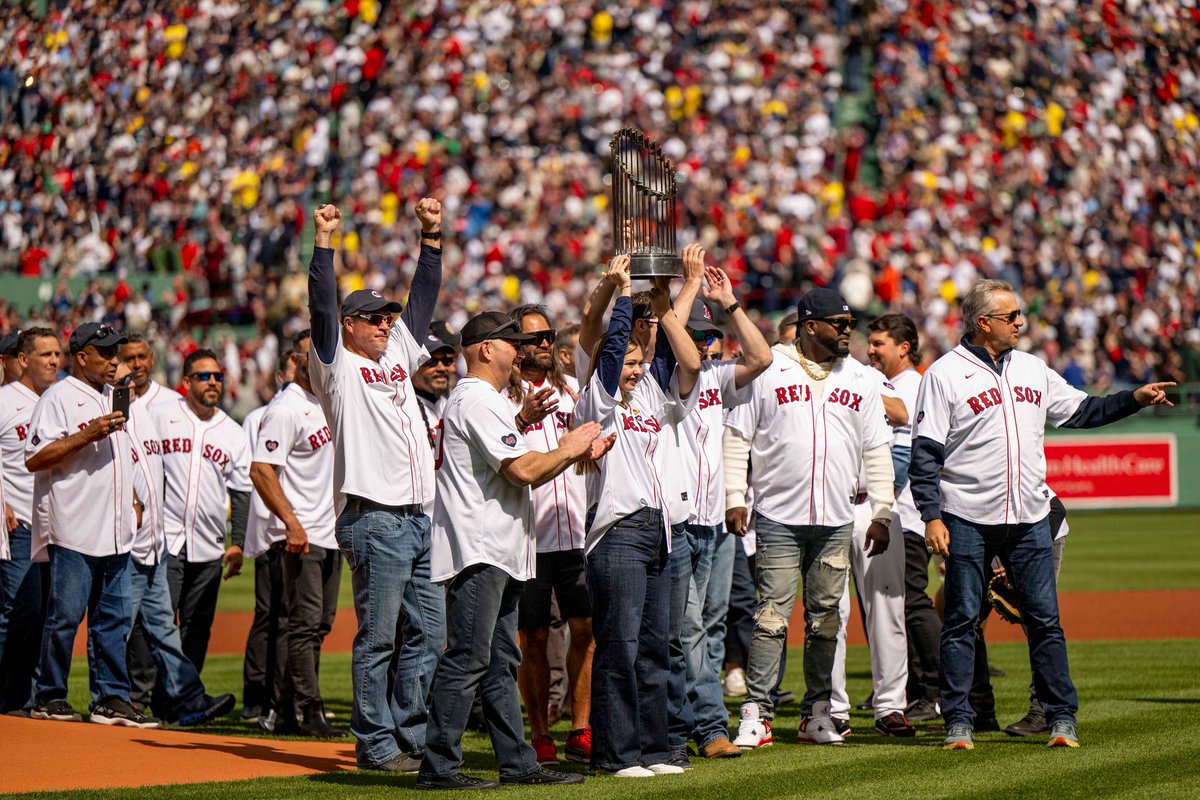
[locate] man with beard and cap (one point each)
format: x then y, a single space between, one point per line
814 420
76 440
561 575
206 459
8 353
22 582
433 381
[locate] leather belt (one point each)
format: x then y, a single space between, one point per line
358 504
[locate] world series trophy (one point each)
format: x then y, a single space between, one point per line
644 216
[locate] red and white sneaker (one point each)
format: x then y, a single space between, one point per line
753 731
546 750
819 727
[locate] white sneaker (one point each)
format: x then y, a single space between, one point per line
636 771
665 769
753 731
734 684
819 727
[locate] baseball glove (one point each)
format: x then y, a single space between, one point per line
1003 597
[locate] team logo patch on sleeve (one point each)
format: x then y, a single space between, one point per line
888 385
272 446
509 439
920 417
36 440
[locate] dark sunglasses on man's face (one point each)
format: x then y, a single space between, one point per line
442 361
707 337
204 376
542 337
1010 317
375 320
840 324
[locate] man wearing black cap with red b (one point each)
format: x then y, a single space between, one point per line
79 444
8 352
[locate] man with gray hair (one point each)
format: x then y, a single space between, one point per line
982 405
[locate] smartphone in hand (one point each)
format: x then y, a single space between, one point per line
120 400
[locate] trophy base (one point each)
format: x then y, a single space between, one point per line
644 266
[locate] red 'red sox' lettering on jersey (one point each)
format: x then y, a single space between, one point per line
152 447
1023 394
216 455
708 398
637 423
370 375
320 438
22 432
796 393
176 446
846 398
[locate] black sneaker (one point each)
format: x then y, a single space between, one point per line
541 775
118 711
842 726
57 710
210 708
251 713
455 780
894 724
1031 724
679 758
922 711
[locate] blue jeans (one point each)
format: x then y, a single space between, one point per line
97 586
23 586
695 698
481 654
785 552
1027 552
152 599
630 581
388 555
716 599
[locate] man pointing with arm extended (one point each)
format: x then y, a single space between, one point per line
361 363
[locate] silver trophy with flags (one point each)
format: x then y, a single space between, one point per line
644 214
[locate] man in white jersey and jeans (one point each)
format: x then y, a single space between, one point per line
978 476
721 385
206 458
483 549
361 364
22 582
88 525
815 419
293 472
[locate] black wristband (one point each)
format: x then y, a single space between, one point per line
434 235
736 305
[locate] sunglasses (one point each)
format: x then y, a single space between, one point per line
442 361
1010 317
375 320
204 376
708 337
840 324
542 337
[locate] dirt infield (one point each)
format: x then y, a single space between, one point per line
1086 616
103 758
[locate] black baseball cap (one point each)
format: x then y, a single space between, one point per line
440 337
93 333
368 301
492 325
820 304
9 343
701 318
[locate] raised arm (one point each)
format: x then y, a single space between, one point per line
427 280
681 356
612 355
322 286
756 353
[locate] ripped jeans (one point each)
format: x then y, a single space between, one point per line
784 552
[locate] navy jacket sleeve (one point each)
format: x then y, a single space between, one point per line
426 286
662 367
322 304
924 469
1096 411
612 353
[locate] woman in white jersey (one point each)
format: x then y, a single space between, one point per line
626 544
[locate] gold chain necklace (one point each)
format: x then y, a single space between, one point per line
804 365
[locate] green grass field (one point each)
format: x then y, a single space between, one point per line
1137 718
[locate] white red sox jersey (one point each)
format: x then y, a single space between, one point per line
993 428
294 437
381 447
149 482
87 497
157 393
807 438
258 539
16 410
481 517
203 460
559 506
905 386
629 477
716 391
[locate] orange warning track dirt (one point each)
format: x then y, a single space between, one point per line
1086 616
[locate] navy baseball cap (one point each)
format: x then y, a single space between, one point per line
368 301
701 319
440 337
9 343
93 333
492 325
821 304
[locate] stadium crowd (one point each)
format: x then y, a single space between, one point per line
895 151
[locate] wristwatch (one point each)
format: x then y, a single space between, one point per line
434 235
736 305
